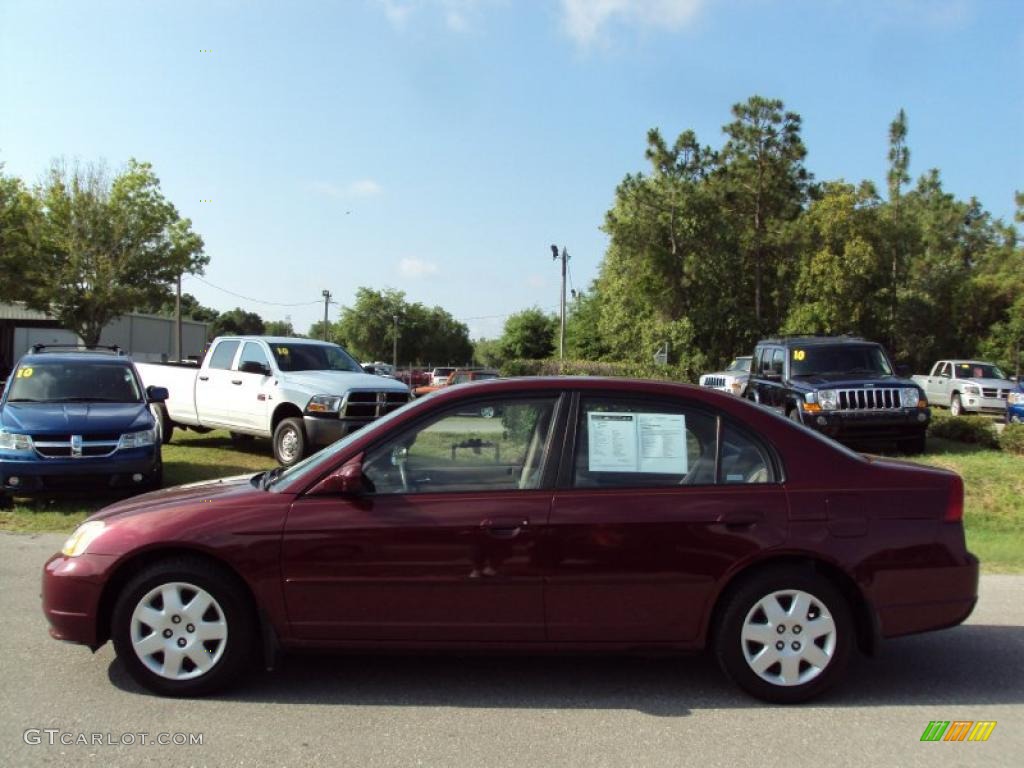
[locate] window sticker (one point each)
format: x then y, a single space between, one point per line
652 443
799 354
24 373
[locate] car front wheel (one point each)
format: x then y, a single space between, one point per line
289 442
184 627
956 406
785 636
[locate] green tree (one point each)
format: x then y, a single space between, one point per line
897 176
487 352
21 219
279 328
763 183
238 322
529 334
106 247
190 308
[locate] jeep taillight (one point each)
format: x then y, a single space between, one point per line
955 504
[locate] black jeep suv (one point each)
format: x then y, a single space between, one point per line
843 386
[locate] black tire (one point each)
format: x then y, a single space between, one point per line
914 446
288 430
732 651
239 646
956 406
166 425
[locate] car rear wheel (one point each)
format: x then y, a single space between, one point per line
184 627
956 407
289 442
785 635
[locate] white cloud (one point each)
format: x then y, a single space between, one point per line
457 14
397 11
585 19
416 268
364 188
359 188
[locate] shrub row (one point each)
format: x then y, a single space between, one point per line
1012 439
553 367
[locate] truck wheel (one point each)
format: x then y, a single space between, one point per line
956 408
912 447
785 635
289 442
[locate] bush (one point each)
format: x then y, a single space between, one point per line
1012 439
976 430
553 367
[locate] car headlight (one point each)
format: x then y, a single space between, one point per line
84 535
828 399
12 441
137 439
1016 398
971 389
909 397
324 404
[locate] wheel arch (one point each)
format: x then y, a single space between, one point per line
284 411
865 621
128 568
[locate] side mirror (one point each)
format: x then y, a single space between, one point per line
157 394
251 366
347 480
903 371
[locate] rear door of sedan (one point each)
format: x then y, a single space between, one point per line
657 500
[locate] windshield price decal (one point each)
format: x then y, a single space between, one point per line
24 373
799 354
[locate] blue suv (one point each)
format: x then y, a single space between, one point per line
77 419
1015 405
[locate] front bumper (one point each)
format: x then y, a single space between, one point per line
923 599
904 424
324 430
977 404
72 588
45 474
1015 414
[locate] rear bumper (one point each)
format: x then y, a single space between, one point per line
924 599
72 587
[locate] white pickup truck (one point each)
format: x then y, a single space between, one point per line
966 386
300 393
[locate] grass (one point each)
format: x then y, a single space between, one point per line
189 458
993 509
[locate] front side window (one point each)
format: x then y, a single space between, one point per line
944 372
223 355
493 445
778 360
253 353
74 383
625 443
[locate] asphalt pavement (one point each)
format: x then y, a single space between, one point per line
487 711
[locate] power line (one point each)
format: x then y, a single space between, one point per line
249 298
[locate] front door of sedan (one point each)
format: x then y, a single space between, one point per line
657 503
445 545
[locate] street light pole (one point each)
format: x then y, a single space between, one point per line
327 300
561 335
394 348
177 321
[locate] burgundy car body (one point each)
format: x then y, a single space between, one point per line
585 568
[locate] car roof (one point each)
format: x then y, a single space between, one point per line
810 341
103 358
277 340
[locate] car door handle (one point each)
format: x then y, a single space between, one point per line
237 381
204 378
504 529
740 519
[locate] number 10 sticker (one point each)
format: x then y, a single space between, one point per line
799 354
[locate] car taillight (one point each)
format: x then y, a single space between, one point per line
955 505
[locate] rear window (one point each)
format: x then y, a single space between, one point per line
67 382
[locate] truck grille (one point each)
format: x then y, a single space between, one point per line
60 446
715 382
1000 393
372 405
869 399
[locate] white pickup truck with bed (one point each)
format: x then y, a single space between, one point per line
966 386
301 393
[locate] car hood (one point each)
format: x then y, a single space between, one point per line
848 381
992 383
75 418
339 382
206 491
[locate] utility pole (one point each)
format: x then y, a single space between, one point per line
177 321
394 348
561 335
327 300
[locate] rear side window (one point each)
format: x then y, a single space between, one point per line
743 458
223 355
778 358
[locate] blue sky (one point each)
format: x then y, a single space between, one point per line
441 146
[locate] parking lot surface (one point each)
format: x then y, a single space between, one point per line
486 711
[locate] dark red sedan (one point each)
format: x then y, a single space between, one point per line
581 513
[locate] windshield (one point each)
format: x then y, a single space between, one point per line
739 364
978 371
844 358
313 357
307 469
74 382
